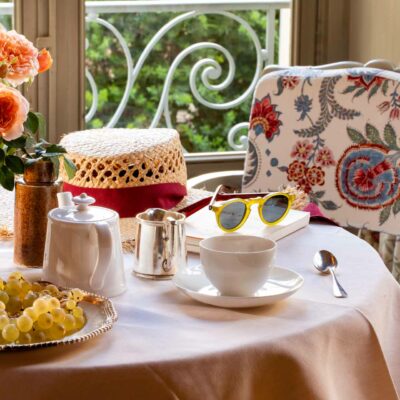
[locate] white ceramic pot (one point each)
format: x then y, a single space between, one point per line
83 248
237 265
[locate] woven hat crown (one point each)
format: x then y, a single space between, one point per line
121 158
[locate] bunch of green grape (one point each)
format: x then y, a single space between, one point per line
32 312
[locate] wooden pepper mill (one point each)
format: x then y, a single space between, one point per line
35 196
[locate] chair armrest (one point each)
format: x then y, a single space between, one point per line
211 180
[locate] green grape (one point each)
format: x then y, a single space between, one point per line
57 331
25 287
4 320
53 303
25 338
10 333
70 304
13 287
79 322
58 314
45 321
69 322
14 305
43 317
77 312
32 313
40 305
76 294
24 323
29 298
36 287
16 276
4 296
53 290
38 336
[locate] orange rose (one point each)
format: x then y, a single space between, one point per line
20 56
45 60
14 110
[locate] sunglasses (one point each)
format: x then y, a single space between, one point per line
232 214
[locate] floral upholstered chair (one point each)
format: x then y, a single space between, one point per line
336 134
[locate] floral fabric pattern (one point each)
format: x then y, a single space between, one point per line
365 177
265 119
302 149
365 79
335 134
325 157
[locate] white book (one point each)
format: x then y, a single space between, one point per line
203 224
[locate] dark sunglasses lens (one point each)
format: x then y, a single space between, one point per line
274 208
232 215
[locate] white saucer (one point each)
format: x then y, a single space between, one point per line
281 283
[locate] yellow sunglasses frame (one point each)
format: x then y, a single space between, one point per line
218 207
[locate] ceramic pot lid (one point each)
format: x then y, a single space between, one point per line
83 212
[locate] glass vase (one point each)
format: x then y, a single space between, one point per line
35 195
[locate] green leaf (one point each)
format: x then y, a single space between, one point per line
50 155
359 92
349 89
70 167
6 178
32 123
42 143
2 157
356 136
15 164
329 205
319 194
280 86
385 86
390 137
42 125
373 91
17 143
373 134
30 142
384 215
396 207
56 164
55 148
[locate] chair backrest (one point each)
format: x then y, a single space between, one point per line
334 133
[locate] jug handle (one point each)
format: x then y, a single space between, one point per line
171 223
105 251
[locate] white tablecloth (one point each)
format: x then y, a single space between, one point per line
167 346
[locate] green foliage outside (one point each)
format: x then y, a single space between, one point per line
201 128
6 20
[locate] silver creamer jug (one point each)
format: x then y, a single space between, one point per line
160 244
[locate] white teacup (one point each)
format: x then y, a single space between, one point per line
237 265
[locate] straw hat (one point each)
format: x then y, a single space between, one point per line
128 170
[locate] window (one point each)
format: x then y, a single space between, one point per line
191 65
163 64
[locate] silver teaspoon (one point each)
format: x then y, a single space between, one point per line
326 262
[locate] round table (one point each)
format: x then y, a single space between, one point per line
167 346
